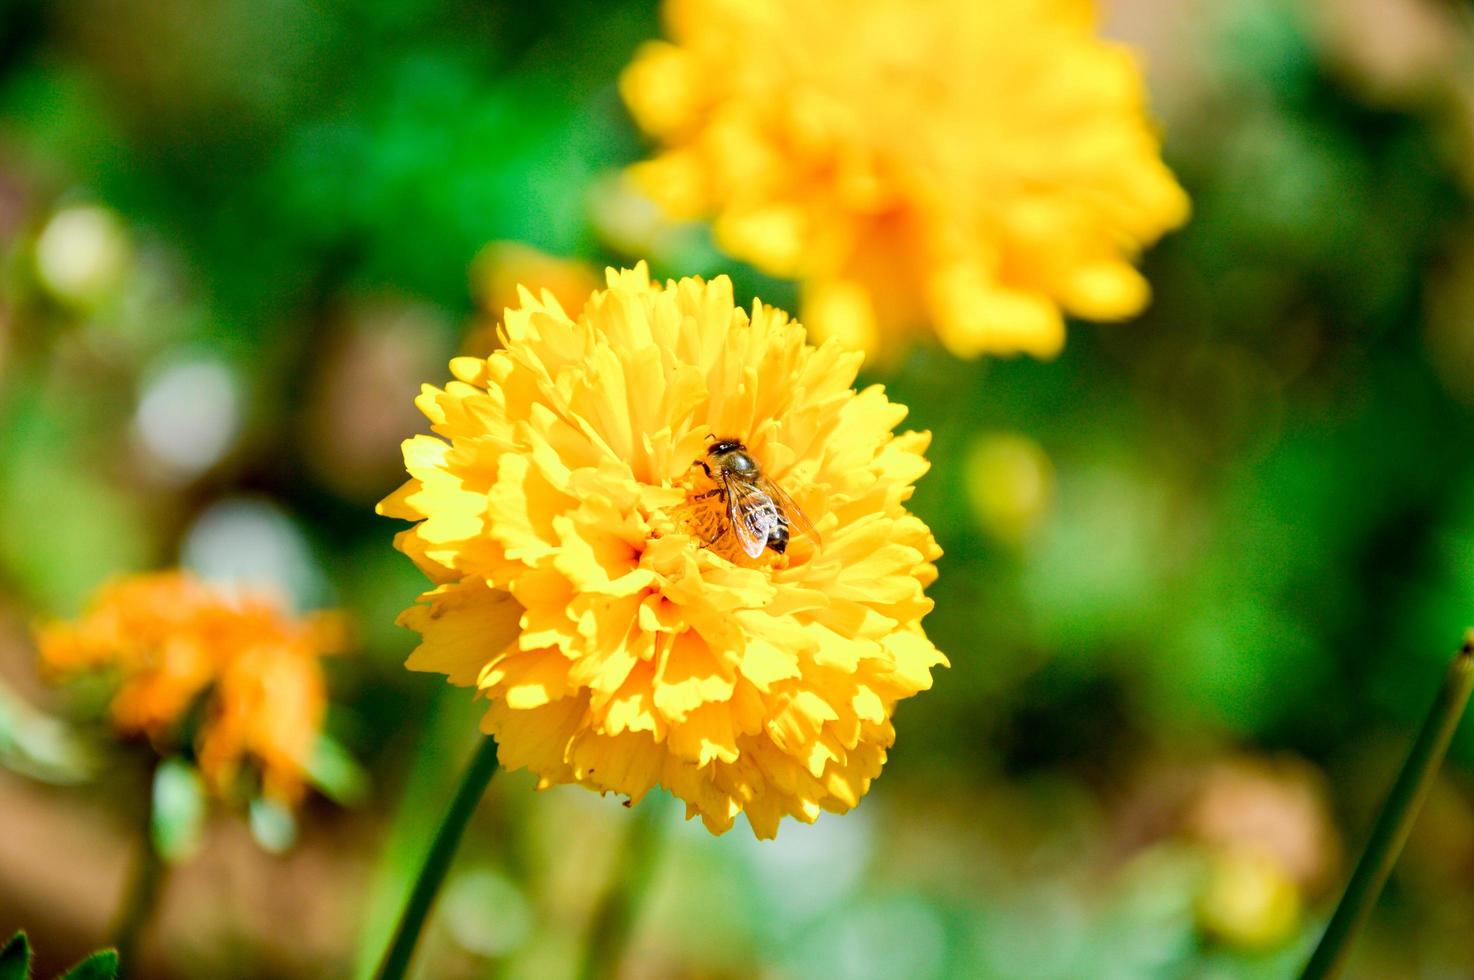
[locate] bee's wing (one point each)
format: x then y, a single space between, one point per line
752 512
791 511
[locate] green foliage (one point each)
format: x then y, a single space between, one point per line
15 958
179 808
40 746
92 531
272 825
336 774
102 965
15 962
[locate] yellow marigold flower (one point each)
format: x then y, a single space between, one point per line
171 639
501 268
981 167
561 517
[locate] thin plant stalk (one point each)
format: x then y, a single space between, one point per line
437 861
614 918
1395 821
141 899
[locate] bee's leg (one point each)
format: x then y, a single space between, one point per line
719 535
718 491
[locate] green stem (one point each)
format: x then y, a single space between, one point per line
142 896
614 918
437 862
1393 824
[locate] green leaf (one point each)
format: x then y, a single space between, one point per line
101 965
334 772
15 958
272 825
178 821
34 744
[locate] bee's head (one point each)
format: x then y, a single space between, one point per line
723 446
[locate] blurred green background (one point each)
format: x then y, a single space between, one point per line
1202 572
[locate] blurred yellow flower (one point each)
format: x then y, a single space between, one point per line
560 517
1248 900
1278 807
1010 484
501 268
983 168
1269 842
170 640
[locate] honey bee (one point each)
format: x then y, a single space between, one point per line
759 513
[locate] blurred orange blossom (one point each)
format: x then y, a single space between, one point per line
171 640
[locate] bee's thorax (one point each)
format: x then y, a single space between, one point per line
740 462
732 456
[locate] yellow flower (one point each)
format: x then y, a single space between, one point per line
170 640
1248 899
1010 484
979 167
501 267
562 521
